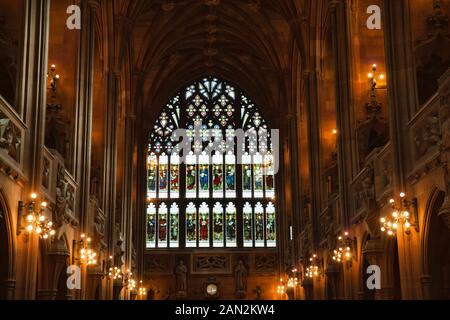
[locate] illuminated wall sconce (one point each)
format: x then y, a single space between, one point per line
281 288
142 290
346 249
87 254
115 273
34 218
401 216
374 77
54 77
313 270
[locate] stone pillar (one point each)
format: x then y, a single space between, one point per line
374 253
311 81
33 97
426 282
346 148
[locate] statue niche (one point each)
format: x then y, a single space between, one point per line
240 277
181 279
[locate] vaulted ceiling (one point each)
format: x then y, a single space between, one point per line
248 42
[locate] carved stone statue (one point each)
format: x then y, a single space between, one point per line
181 279
240 277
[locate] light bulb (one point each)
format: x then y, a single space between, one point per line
42 218
30 218
406 214
44 204
407 225
52 232
33 195
30 228
370 76
38 230
383 220
395 214
402 194
45 236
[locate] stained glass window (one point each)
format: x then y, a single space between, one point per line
218 225
258 176
191 225
259 225
269 176
163 176
204 176
191 176
152 164
174 176
151 226
218 175
162 225
231 225
203 225
215 173
230 175
174 226
246 176
248 225
270 225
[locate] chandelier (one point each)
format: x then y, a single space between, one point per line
36 221
400 216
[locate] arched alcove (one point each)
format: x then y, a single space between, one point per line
436 252
7 281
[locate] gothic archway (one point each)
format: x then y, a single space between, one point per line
7 279
435 251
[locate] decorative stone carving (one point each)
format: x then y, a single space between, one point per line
181 279
432 55
157 264
211 3
444 147
168 5
120 246
96 178
205 263
46 173
373 132
65 198
240 278
426 135
265 263
10 137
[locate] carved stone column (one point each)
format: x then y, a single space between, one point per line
374 253
54 263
